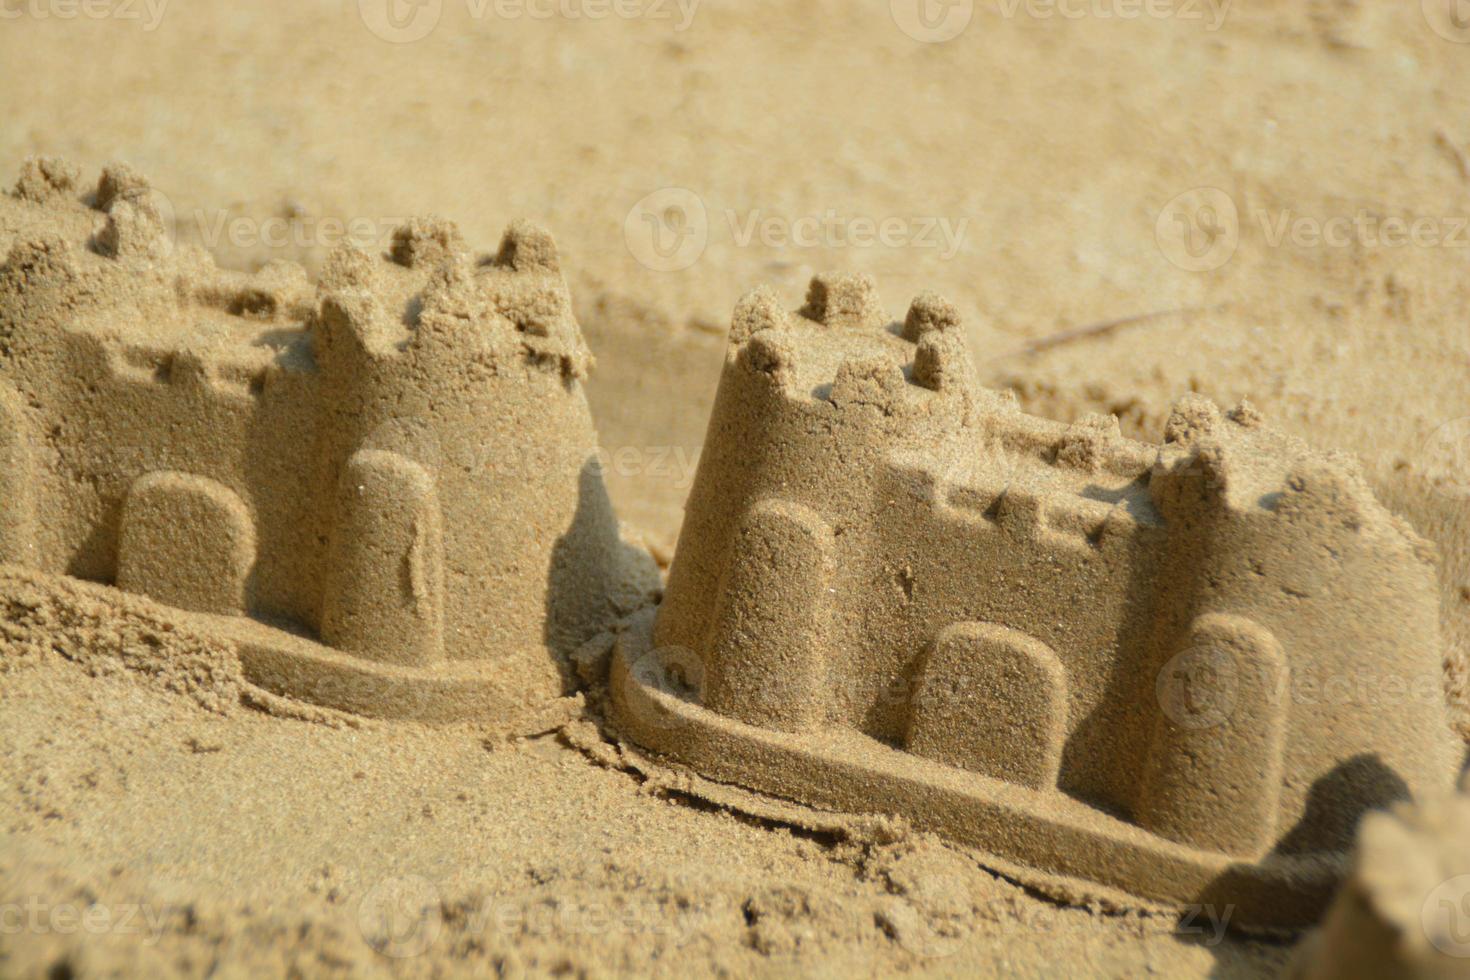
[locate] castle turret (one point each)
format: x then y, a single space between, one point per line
483 361
1295 605
828 389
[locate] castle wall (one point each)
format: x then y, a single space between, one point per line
922 551
972 558
112 423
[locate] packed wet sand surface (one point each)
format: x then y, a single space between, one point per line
1061 180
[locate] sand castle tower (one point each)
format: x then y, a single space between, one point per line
381 488
1183 671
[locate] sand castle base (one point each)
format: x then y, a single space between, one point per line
1046 831
499 692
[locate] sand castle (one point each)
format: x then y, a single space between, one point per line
382 489
1404 910
1178 672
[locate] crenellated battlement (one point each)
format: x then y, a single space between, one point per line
428 292
264 448
841 359
433 296
867 361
